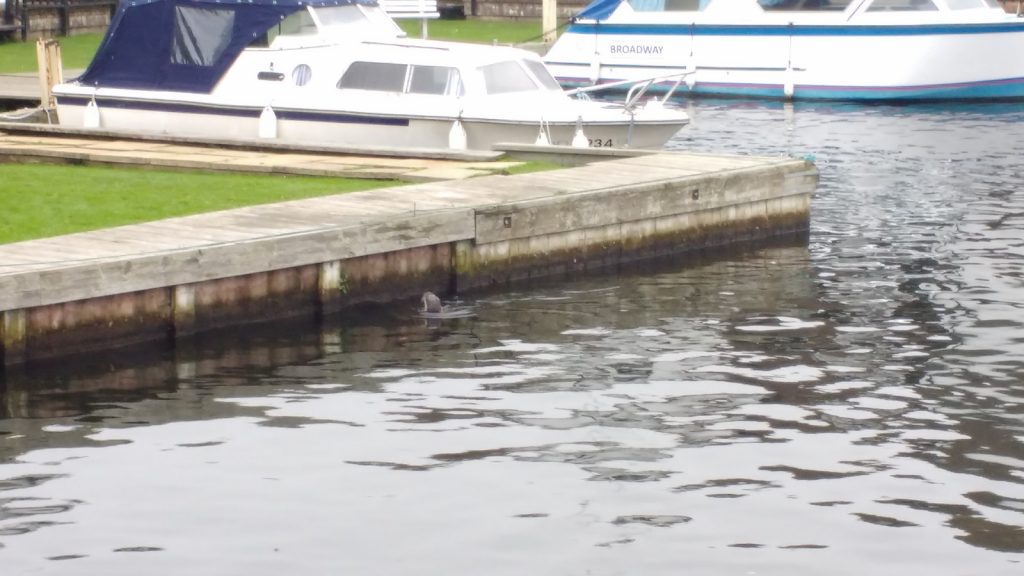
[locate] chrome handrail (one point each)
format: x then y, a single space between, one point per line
632 96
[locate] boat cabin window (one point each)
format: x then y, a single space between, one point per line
201 34
435 80
360 19
380 76
295 24
967 4
805 5
399 78
543 75
505 77
302 74
338 15
669 5
901 5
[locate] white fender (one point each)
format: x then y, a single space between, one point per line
268 123
580 140
91 119
457 135
691 73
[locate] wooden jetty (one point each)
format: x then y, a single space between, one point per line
169 279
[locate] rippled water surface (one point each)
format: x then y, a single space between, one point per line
851 406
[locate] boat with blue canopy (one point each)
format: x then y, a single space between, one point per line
875 50
332 73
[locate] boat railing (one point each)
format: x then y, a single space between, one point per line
637 88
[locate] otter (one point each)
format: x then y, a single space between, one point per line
431 303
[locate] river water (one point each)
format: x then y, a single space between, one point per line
852 405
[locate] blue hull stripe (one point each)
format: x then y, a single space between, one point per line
282 114
1012 88
794 30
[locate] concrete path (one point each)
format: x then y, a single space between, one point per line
21 87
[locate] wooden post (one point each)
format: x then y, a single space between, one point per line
549 20
24 20
51 71
12 337
64 14
330 286
423 19
183 311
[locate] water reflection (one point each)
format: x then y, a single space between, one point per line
836 407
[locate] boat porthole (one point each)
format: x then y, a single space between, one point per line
302 74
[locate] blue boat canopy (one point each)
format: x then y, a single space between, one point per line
184 45
599 9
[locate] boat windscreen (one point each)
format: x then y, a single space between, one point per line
505 77
542 74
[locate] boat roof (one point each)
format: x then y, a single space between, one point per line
430 52
184 45
602 9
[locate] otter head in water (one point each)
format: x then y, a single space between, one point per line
432 303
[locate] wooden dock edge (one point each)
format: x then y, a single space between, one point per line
172 295
56 130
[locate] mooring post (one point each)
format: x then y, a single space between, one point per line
462 264
549 20
51 70
330 288
183 315
12 337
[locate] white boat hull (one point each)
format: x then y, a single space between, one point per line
337 74
354 129
820 59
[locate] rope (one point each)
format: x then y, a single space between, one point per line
545 33
14 116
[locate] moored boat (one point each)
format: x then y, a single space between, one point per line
332 72
801 49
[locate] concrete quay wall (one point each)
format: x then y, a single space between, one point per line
546 224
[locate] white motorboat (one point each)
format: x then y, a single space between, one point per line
802 49
332 72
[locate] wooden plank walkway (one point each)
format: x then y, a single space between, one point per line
259 238
34 144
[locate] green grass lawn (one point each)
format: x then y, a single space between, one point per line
40 200
481 31
77 51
